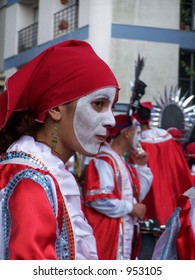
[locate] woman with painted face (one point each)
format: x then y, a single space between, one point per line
113 192
56 104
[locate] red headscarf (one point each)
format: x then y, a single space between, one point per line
60 74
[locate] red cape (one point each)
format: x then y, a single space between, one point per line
172 177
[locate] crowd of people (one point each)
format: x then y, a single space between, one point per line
58 107
172 176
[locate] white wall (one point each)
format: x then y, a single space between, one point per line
100 20
11 26
161 66
153 13
17 18
2 36
45 26
83 13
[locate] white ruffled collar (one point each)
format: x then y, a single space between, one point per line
54 164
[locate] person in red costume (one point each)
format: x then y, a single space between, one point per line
178 240
58 103
113 192
169 167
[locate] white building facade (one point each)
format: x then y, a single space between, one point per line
118 30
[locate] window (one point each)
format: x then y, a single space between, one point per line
27 37
187 71
36 14
187 14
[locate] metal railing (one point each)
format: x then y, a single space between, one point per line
27 37
66 21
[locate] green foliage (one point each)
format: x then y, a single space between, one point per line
188 70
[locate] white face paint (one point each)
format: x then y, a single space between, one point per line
90 124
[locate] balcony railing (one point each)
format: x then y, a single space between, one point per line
27 37
66 21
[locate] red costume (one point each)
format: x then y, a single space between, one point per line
32 203
171 173
111 181
166 160
178 240
107 242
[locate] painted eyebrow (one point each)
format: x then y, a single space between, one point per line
102 95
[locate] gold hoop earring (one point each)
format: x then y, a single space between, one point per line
54 137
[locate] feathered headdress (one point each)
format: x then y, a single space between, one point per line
138 89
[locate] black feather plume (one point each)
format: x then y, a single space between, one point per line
138 89
139 65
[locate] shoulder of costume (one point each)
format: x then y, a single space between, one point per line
109 155
154 135
12 173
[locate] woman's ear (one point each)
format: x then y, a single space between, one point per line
55 113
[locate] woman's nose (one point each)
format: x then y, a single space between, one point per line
110 121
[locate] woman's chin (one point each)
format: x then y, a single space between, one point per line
92 152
